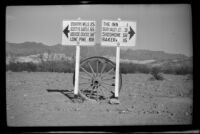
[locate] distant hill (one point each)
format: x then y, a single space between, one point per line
32 48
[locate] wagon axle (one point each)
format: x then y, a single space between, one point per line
95 83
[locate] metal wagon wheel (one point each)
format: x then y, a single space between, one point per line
97 78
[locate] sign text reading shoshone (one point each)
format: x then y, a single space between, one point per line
123 32
78 31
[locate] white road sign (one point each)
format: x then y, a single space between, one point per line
78 31
113 32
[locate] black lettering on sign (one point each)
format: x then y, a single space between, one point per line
105 29
74 33
125 35
109 39
84 28
91 28
75 23
92 24
124 40
115 24
85 23
91 39
84 34
111 34
74 28
125 29
92 34
113 29
73 38
82 38
106 23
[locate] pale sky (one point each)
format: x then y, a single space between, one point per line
159 27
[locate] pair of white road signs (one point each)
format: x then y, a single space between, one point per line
113 33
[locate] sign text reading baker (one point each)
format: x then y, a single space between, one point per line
78 31
113 32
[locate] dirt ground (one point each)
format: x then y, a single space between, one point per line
142 101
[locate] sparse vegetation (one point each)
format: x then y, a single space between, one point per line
156 73
68 67
179 70
189 77
47 66
134 68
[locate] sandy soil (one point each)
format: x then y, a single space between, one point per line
142 101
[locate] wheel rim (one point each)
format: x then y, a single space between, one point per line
97 78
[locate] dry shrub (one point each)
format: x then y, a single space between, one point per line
155 72
189 77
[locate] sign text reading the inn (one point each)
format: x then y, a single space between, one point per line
113 32
78 31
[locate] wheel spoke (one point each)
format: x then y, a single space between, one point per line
112 69
84 83
91 68
103 68
102 91
97 68
91 92
106 83
97 94
106 88
85 77
104 75
112 78
87 87
86 71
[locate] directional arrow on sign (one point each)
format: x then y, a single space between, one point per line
66 31
131 32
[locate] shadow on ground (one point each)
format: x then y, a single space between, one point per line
69 94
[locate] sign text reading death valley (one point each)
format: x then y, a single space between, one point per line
78 31
113 32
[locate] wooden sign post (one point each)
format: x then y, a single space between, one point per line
76 87
117 34
78 33
117 70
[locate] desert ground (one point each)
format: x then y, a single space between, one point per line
142 101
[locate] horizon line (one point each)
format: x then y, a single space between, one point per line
97 44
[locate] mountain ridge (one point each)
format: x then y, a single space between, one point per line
31 48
